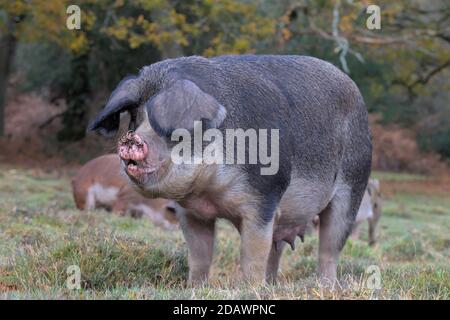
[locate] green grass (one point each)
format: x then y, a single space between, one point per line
394 176
41 235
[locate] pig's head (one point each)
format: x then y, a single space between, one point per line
145 150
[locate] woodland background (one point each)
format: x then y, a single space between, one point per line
52 80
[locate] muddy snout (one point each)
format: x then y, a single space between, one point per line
132 147
140 157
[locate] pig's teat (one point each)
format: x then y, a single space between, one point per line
132 147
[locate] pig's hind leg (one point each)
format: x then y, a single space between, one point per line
274 261
336 221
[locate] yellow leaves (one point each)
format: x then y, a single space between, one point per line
177 18
119 3
217 40
214 26
152 4
346 23
140 20
136 41
237 27
121 29
190 29
220 45
126 22
209 52
79 43
88 19
45 20
241 45
118 32
182 41
15 7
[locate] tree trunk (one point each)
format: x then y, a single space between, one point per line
7 47
75 117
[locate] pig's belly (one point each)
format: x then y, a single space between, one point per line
301 202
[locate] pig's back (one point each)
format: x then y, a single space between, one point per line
291 90
104 169
310 101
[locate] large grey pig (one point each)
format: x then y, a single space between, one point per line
324 152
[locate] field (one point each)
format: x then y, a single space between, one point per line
42 234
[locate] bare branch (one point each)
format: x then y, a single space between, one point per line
50 120
432 73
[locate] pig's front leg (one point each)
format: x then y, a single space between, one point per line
256 242
199 236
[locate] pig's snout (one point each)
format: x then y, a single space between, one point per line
132 147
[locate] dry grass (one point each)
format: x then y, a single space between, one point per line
41 234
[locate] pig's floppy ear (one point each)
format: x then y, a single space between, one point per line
180 105
125 96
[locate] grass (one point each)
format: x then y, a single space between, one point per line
394 176
41 235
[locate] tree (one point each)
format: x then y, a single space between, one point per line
121 32
7 48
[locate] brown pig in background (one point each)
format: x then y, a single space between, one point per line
100 184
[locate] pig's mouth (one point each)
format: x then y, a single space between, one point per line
139 168
141 171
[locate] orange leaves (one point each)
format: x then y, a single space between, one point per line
286 34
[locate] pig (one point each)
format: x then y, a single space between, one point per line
369 210
101 184
324 153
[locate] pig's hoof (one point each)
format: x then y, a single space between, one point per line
191 283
